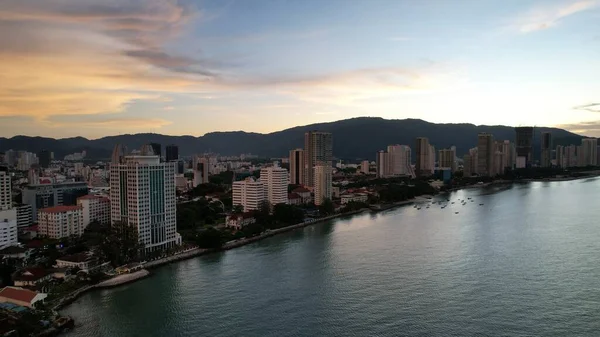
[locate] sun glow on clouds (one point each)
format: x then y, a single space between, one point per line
72 66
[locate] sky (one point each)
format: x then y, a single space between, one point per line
94 68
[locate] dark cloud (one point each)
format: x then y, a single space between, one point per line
592 107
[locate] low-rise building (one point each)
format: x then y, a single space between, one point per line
239 220
31 276
294 199
15 252
94 208
61 221
83 261
304 194
355 197
20 296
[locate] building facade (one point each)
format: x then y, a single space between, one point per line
485 154
142 195
425 157
365 167
8 215
318 150
546 150
447 159
323 180
524 146
95 208
24 216
589 152
60 221
382 166
275 183
399 160
249 193
297 167
171 153
50 195
201 167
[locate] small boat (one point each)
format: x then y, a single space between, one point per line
453 202
480 204
455 212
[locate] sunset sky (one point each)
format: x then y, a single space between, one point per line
103 67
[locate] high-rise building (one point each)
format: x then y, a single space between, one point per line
560 156
94 208
248 193
60 221
365 166
424 157
142 195
44 158
50 195
467 172
8 215
157 149
524 146
589 148
485 154
398 160
382 167
571 156
119 152
275 182
447 159
546 150
24 216
323 180
5 189
318 150
200 170
297 167
172 153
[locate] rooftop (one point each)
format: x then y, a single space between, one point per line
60 209
31 274
12 250
292 196
80 257
92 196
18 294
301 190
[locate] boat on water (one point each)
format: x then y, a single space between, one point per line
480 204
455 212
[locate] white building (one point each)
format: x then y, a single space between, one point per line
239 221
95 208
275 182
382 164
356 197
249 193
323 179
5 189
8 215
61 221
142 195
83 261
398 160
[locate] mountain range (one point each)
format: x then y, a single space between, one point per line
353 139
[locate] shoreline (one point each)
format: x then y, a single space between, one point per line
195 252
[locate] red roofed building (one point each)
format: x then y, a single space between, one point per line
239 220
61 221
294 199
94 208
20 296
31 276
304 194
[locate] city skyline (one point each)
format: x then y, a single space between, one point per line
180 68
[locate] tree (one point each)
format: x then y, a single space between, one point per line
121 245
326 207
210 239
287 214
238 209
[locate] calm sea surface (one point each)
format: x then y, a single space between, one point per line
525 263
